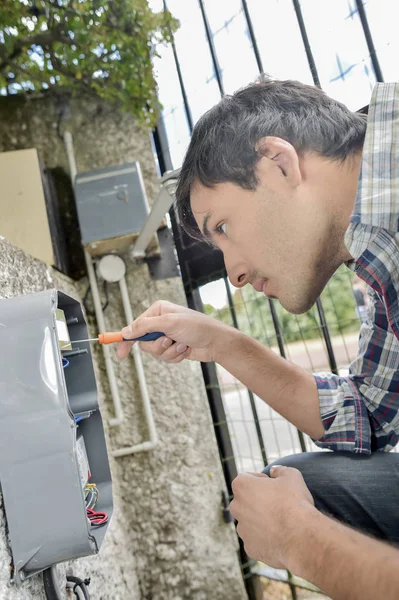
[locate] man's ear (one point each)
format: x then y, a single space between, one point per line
284 156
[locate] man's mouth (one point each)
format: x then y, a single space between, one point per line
267 291
259 284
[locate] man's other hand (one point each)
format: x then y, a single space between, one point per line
267 510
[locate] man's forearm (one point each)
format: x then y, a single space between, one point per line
287 388
342 562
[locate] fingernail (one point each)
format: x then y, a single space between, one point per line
166 342
272 469
180 348
127 332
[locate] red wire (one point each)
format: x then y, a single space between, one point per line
96 518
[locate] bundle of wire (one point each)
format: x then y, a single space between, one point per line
97 519
91 495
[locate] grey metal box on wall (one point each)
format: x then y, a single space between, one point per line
44 410
111 202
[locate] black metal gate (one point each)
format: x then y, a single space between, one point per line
323 339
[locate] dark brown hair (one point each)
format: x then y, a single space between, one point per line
223 144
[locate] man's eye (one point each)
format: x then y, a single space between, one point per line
222 228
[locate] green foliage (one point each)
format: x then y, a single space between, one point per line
96 46
255 318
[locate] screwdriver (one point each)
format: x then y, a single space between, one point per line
110 337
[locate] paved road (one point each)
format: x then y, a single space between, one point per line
280 437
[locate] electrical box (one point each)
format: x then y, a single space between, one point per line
53 454
112 207
24 219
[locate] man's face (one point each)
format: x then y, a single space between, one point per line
282 237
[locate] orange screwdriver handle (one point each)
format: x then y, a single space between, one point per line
110 337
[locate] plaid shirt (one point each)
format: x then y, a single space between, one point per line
360 412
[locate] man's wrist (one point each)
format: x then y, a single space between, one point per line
304 524
227 339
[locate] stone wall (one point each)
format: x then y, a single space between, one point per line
167 540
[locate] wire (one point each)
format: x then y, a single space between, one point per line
70 587
81 584
52 588
65 362
105 289
97 519
90 499
88 311
85 298
50 583
91 495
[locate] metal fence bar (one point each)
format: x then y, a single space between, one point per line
217 407
277 328
161 147
208 369
181 81
306 43
369 40
209 37
250 394
280 342
215 397
252 582
252 35
327 338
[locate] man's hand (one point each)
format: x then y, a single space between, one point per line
287 388
188 334
267 510
280 526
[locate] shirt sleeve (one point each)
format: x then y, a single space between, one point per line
360 413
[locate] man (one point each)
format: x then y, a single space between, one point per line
290 184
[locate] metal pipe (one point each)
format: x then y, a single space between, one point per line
72 321
71 156
159 209
142 383
119 415
76 352
133 449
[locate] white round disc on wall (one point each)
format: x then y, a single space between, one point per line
111 268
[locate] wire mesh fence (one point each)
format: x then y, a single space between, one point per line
322 340
249 433
300 338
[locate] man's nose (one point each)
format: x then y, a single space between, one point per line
239 276
238 270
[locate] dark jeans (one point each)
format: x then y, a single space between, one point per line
360 491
